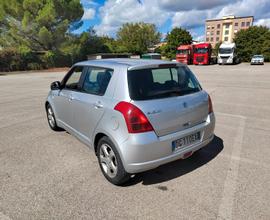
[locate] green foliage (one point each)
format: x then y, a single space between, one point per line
176 37
137 37
12 59
216 48
254 40
38 25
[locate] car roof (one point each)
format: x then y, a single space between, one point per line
124 62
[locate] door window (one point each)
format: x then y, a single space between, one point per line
74 79
96 80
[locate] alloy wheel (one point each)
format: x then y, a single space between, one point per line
108 160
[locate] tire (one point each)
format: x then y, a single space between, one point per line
51 118
110 162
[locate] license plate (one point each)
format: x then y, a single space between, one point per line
185 141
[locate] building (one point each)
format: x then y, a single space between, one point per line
223 30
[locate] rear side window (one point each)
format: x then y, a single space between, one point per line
96 80
158 83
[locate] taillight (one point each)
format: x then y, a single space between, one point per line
210 105
136 121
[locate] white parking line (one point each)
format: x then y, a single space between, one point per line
226 205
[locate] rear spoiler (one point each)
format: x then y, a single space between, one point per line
153 66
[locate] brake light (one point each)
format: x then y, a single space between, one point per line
210 105
136 121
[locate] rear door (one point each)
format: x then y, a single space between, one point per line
171 98
90 103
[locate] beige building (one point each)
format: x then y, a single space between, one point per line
223 30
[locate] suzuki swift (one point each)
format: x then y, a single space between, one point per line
135 114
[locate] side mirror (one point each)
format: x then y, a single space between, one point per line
55 85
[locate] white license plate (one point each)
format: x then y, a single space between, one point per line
185 141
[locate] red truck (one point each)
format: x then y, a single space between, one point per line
184 54
202 54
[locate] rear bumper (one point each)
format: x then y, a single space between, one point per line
141 152
256 62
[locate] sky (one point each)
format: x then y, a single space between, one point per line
106 16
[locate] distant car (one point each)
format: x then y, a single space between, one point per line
257 59
135 114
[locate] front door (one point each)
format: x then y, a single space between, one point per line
64 101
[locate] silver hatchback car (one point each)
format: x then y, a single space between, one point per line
135 114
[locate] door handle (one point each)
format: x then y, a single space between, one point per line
98 105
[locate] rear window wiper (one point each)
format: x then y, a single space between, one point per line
164 92
189 90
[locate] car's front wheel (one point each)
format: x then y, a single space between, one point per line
110 162
51 118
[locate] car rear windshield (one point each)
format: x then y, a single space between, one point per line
156 83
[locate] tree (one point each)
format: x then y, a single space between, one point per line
216 48
176 37
254 40
137 37
38 25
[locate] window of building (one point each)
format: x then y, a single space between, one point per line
243 24
217 39
226 32
212 39
213 27
208 27
236 24
218 26
207 39
207 33
248 24
227 25
212 33
226 38
218 32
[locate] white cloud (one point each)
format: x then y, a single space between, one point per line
114 13
263 22
89 13
185 5
258 8
189 14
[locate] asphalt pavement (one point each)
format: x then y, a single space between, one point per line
51 175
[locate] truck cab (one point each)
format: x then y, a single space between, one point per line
184 54
227 54
202 54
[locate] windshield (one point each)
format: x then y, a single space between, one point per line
201 50
158 83
257 56
182 51
225 50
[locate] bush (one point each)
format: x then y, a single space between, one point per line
254 40
10 59
34 66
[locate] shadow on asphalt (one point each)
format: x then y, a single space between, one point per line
180 167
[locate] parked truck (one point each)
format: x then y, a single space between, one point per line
227 54
184 54
203 54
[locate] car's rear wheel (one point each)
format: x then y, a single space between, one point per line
51 118
110 162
